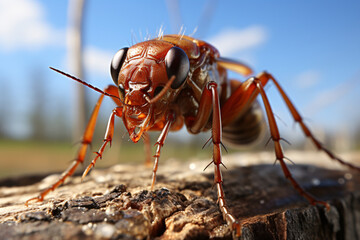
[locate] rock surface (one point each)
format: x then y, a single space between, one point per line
116 203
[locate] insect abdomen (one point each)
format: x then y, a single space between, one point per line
246 129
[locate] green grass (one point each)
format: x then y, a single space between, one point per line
32 157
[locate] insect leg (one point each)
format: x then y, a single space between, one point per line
216 137
107 139
297 117
243 94
234 65
202 117
209 103
275 135
86 141
160 142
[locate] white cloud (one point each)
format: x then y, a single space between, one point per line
231 41
97 61
307 79
23 25
331 95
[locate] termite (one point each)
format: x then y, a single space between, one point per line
175 80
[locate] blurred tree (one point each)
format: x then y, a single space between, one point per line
75 60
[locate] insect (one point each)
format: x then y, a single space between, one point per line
175 80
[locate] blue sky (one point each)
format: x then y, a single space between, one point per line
311 47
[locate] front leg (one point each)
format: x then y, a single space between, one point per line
107 139
210 103
86 141
160 142
218 180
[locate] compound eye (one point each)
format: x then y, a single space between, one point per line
178 65
116 64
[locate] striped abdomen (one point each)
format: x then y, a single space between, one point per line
246 129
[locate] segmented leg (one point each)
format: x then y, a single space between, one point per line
210 103
244 95
86 141
160 142
234 65
275 135
297 117
198 123
218 180
107 139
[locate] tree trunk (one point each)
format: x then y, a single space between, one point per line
116 203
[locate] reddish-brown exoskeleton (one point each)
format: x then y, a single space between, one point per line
164 83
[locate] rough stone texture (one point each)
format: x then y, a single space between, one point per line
116 203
